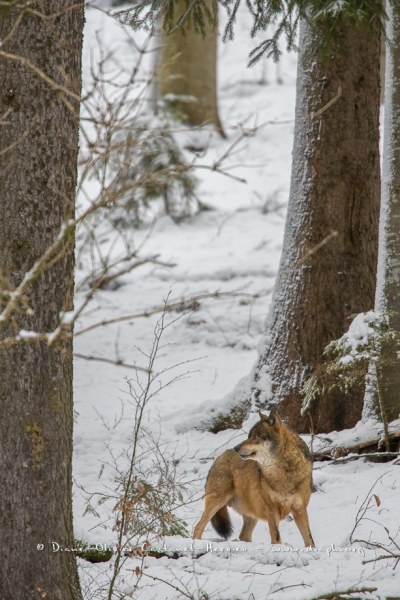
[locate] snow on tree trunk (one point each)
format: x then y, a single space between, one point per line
335 187
38 173
187 71
388 281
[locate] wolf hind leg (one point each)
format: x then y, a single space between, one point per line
247 530
213 503
301 519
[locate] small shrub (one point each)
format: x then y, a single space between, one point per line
147 165
369 341
233 419
149 507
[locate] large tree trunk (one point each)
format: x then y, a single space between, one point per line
39 143
385 395
187 71
334 187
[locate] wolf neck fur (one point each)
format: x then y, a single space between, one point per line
277 461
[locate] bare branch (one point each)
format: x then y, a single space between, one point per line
116 362
186 304
56 87
339 594
104 280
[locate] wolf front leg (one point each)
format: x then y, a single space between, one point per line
273 524
301 519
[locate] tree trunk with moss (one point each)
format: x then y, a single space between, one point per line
187 71
328 266
38 174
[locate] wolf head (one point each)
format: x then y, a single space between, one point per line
263 439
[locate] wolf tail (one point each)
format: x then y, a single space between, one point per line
222 523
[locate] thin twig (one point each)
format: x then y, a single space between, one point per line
365 506
314 249
105 279
286 587
21 139
319 112
382 557
337 595
174 587
36 13
186 304
118 363
56 87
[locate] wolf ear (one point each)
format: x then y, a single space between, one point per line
273 419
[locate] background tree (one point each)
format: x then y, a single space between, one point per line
385 397
334 195
40 65
328 265
186 76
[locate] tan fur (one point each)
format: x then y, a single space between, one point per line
266 477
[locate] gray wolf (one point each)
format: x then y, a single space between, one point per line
266 477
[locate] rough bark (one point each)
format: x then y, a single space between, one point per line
187 71
37 188
388 283
334 187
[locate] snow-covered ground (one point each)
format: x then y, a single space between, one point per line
203 354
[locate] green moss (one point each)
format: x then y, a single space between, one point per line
92 553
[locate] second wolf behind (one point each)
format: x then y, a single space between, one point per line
266 477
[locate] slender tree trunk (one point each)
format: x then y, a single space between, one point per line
38 170
334 188
187 71
388 284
